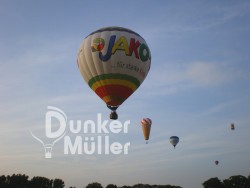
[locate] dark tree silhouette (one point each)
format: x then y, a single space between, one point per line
111 186
14 181
94 185
151 186
168 186
213 183
126 186
58 183
139 185
40 182
237 182
3 182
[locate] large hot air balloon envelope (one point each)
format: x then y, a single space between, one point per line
216 162
114 61
174 140
146 126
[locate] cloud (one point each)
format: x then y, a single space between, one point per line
198 20
207 74
173 78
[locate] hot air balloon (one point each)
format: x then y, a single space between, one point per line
114 61
146 126
216 162
232 126
174 140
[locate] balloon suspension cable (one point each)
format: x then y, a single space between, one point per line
113 114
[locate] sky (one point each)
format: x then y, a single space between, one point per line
197 86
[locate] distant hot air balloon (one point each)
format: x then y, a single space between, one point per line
146 126
114 61
174 140
232 126
216 162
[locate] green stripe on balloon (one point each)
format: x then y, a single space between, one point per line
114 76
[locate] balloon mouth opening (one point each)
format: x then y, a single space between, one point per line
113 108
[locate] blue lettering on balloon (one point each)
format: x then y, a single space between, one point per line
107 56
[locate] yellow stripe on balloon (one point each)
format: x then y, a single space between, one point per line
107 99
102 83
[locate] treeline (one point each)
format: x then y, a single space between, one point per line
22 181
237 181
98 185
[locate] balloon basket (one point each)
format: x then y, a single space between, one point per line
113 115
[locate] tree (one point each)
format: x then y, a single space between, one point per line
3 183
213 183
16 181
126 186
40 182
154 186
236 182
94 185
111 186
58 183
141 186
168 186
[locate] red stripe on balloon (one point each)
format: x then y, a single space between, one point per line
117 93
146 121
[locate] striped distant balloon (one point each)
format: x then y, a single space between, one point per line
146 126
114 61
